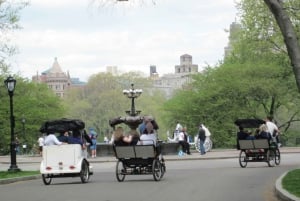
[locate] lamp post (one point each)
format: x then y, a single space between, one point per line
132 94
10 84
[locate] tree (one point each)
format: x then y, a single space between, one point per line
102 99
35 103
288 32
9 18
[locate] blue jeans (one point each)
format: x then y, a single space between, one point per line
202 149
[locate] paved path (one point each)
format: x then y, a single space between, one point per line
214 154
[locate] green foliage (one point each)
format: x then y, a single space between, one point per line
102 99
34 103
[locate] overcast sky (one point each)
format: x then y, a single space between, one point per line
87 37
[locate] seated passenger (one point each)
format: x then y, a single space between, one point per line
51 139
243 135
120 139
148 136
263 133
75 138
132 138
63 136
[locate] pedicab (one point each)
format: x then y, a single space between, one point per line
256 150
67 160
137 159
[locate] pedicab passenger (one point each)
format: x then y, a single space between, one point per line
119 139
75 138
63 136
149 137
243 135
51 139
262 133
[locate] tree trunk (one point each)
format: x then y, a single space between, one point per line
289 35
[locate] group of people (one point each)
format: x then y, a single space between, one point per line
69 137
182 135
269 131
146 135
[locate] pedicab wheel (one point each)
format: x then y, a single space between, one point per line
271 158
84 172
120 169
46 179
156 170
242 159
163 169
277 156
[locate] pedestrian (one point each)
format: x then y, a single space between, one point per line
93 146
182 140
201 137
41 144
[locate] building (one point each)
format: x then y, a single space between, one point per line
170 82
234 30
57 80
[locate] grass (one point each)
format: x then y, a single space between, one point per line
7 174
291 182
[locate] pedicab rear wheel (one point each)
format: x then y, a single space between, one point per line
46 179
242 159
120 171
156 170
84 172
271 158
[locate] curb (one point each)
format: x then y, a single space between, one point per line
282 193
16 179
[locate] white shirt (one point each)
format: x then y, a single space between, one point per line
271 127
41 141
181 136
146 139
51 139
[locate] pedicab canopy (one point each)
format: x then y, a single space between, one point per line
62 125
249 123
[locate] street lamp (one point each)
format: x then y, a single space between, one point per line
10 84
132 93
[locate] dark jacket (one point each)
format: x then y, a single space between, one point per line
201 134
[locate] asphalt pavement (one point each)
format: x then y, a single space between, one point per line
213 154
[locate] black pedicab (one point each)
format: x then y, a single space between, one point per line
137 159
256 150
68 160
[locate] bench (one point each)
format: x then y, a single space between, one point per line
138 151
254 144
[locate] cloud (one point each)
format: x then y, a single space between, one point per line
132 40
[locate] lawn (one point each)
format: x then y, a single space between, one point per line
291 182
7 174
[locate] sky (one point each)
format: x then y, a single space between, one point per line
86 36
